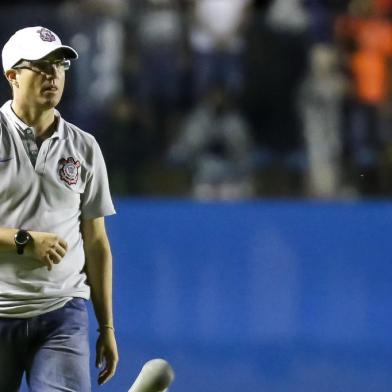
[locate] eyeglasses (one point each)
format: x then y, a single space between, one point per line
44 66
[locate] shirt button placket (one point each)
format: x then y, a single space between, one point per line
32 145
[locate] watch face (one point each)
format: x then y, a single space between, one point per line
22 237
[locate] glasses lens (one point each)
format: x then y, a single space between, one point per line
66 64
43 66
46 66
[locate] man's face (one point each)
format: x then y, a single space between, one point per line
41 82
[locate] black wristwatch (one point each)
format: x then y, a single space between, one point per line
22 238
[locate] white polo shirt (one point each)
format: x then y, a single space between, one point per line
51 190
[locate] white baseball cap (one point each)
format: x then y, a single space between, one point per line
33 43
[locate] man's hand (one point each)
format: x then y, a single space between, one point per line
106 356
47 248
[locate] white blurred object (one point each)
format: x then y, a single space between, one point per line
155 376
288 15
217 21
320 101
106 62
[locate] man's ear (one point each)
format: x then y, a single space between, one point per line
11 76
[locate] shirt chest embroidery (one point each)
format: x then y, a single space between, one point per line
69 170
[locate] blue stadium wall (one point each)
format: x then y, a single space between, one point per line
253 297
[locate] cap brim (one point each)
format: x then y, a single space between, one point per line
67 51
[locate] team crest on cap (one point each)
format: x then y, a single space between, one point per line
69 170
46 35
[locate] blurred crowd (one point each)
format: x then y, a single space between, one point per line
232 99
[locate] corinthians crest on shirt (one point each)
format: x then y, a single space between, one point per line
69 170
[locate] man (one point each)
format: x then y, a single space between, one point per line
215 143
54 196
217 44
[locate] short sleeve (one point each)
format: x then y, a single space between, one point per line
96 199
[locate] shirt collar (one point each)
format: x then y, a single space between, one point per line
21 126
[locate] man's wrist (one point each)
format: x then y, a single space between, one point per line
106 328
